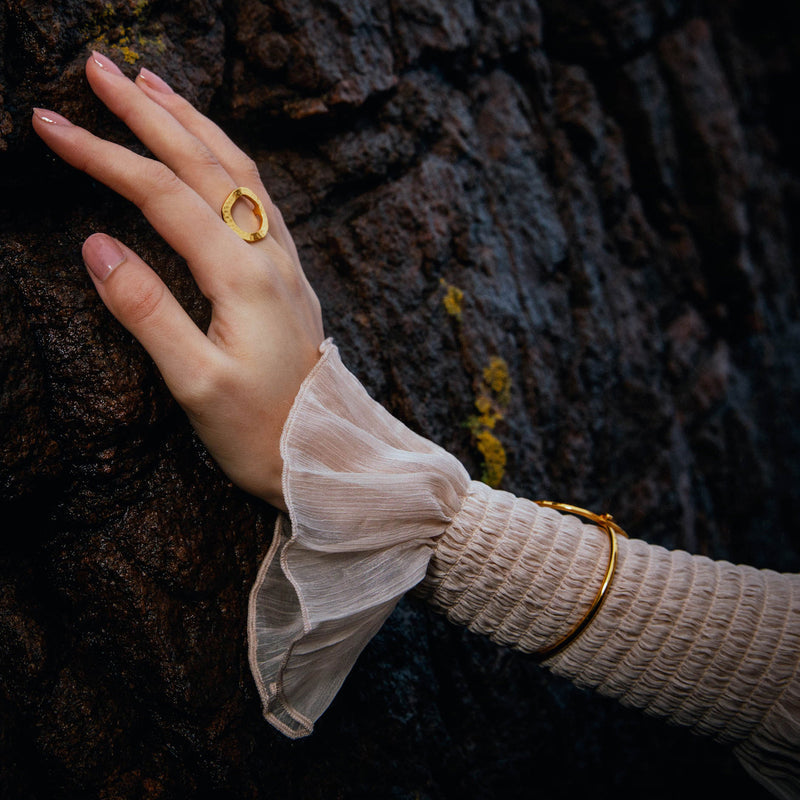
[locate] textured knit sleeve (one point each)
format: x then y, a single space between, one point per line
704 644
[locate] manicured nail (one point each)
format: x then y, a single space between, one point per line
154 82
102 255
51 117
104 62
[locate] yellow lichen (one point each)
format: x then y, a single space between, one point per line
494 458
491 401
130 56
110 32
492 397
488 414
453 299
139 7
156 43
497 379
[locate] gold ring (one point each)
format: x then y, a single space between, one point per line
258 210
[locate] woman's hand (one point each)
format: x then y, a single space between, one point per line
237 382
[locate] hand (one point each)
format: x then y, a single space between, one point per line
237 381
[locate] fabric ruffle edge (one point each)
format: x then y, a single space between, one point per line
366 497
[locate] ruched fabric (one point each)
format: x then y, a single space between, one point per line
375 510
701 643
367 497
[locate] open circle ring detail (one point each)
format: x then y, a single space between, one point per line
258 210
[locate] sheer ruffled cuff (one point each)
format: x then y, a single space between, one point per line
366 499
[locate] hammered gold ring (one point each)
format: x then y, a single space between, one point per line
258 210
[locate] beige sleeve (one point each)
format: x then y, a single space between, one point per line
375 510
704 644
367 499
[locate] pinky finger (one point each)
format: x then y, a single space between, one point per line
140 300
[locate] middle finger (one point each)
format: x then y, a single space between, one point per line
169 141
215 254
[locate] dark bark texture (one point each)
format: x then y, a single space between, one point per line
602 193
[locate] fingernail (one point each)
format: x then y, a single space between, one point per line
102 255
51 117
104 62
154 82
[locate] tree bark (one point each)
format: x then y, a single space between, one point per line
559 239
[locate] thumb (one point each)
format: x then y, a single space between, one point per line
141 301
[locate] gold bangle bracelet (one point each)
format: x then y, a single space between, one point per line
605 521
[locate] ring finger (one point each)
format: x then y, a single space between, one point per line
186 155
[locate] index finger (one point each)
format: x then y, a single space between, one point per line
185 220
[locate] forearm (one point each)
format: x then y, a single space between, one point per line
701 643
376 509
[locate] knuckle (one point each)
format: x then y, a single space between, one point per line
296 285
316 306
250 170
141 301
277 216
181 108
254 283
289 285
155 181
124 105
160 179
270 274
282 273
200 157
209 382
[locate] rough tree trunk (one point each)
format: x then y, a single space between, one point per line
603 194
